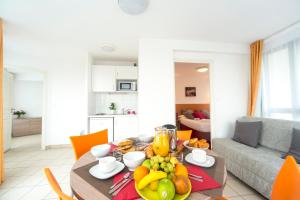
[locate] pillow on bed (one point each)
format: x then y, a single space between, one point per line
200 115
188 113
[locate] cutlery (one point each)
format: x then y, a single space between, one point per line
196 176
117 192
119 185
196 179
119 181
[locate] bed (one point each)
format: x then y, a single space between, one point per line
200 128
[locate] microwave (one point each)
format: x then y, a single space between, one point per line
126 85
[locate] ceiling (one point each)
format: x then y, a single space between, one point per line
38 27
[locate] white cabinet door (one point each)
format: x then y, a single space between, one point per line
100 123
125 127
126 72
7 115
103 78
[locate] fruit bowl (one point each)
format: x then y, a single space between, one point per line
149 194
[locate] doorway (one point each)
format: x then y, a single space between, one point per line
23 109
192 99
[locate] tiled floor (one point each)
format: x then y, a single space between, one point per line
25 179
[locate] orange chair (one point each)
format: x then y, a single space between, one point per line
82 144
184 135
52 181
287 182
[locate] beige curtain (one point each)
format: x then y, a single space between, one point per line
255 71
1 104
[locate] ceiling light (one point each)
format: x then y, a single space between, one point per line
202 69
133 7
108 47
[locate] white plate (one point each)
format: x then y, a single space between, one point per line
186 144
210 161
97 173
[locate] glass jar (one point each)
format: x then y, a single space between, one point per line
161 144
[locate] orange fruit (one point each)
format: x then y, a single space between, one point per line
139 173
180 169
181 184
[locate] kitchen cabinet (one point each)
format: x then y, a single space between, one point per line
126 72
100 123
125 127
103 78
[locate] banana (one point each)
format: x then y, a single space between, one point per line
152 176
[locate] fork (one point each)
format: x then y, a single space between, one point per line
126 175
117 192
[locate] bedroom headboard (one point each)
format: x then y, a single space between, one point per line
180 107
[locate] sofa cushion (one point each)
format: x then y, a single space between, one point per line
248 132
295 146
276 133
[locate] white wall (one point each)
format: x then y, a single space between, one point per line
66 87
187 76
229 65
28 96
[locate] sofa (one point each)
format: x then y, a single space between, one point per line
258 167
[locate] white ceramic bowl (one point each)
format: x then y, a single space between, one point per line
133 159
199 155
107 164
145 138
100 150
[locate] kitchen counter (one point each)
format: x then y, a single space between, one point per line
112 115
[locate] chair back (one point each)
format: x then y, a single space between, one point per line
184 135
287 183
83 143
55 186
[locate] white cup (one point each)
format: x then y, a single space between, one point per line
107 164
199 155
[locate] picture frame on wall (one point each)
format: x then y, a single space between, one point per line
190 91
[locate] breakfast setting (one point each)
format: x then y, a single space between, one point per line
161 167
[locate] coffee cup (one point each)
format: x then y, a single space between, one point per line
107 164
199 155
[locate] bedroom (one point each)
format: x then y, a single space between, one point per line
192 99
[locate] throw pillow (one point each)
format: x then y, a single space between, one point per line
200 115
248 133
295 146
188 114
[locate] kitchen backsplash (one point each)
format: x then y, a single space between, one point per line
122 100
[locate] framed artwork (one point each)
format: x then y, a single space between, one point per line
190 91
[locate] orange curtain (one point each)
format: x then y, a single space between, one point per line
1 104
256 59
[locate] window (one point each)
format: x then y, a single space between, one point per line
281 82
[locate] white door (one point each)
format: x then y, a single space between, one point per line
126 72
103 78
100 123
7 108
125 127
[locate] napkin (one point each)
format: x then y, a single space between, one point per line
128 192
208 182
112 147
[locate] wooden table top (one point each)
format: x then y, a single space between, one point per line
86 188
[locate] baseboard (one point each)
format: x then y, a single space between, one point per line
58 146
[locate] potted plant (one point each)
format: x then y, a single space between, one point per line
113 107
19 113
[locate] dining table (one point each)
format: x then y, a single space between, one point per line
86 187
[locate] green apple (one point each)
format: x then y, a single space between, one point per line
147 164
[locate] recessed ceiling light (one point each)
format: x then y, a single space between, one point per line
108 47
202 69
133 7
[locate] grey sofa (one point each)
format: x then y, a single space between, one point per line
259 166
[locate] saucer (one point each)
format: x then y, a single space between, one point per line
96 172
210 161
